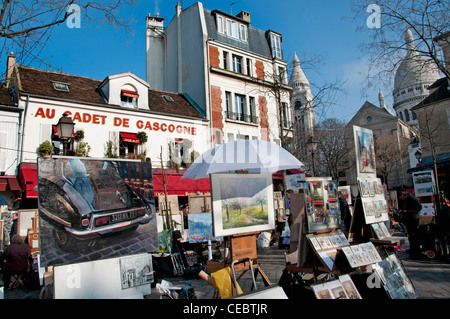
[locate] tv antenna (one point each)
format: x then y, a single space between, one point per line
231 6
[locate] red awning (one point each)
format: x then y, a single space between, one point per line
130 137
279 174
175 186
9 182
130 93
28 179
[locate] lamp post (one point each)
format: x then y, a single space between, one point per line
311 144
65 129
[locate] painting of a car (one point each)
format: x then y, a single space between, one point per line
87 199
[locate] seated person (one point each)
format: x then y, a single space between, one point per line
15 259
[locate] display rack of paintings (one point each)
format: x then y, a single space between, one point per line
374 203
380 230
341 288
322 204
326 245
279 206
393 276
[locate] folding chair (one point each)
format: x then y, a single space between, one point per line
17 281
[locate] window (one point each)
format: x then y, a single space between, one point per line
237 64
232 29
252 110
414 115
249 67
276 45
60 86
129 98
281 74
285 111
401 115
228 101
239 101
168 98
243 32
220 24
225 60
407 116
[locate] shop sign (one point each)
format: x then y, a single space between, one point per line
97 119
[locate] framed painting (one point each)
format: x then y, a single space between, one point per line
322 204
242 203
365 152
200 228
90 205
424 184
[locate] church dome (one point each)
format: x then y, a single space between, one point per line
414 74
298 77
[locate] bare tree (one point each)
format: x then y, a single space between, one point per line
334 147
390 155
26 26
427 20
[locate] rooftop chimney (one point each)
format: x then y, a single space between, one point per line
244 15
10 64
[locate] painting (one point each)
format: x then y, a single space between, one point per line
242 203
136 270
200 228
365 151
322 204
346 192
423 183
90 205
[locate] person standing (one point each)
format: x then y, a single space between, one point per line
409 206
346 216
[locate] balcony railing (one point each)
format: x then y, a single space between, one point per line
241 117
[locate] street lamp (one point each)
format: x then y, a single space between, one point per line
65 129
311 144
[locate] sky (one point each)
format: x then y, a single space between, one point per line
308 28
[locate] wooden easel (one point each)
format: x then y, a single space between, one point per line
243 257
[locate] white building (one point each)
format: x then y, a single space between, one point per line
233 71
412 79
111 113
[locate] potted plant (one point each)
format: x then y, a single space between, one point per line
46 149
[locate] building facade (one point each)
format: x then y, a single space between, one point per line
233 71
412 79
120 117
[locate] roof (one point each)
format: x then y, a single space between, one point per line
86 90
6 98
257 42
440 93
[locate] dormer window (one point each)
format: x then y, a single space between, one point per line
232 29
60 86
275 42
129 98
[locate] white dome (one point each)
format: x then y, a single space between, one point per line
414 74
298 77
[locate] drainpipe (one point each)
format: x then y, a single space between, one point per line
21 129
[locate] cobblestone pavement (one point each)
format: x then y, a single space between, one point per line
431 278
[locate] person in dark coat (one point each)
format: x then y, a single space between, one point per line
409 206
346 216
15 259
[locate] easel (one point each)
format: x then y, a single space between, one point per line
243 256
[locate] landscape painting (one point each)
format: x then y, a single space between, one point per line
242 203
200 228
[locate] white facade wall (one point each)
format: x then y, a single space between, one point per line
103 123
9 141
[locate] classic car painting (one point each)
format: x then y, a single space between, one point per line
89 203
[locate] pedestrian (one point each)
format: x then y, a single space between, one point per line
15 259
346 216
409 208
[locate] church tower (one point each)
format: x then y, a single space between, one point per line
303 104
